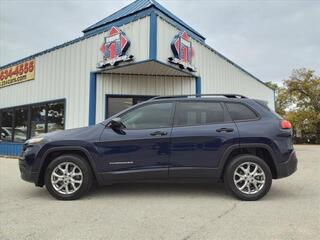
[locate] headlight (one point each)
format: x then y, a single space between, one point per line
34 140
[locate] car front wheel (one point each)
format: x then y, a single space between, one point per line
68 177
248 177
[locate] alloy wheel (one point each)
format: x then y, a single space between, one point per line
66 178
249 178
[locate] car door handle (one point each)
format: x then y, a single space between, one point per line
159 133
225 130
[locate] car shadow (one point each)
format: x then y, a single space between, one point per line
140 189
160 189
165 190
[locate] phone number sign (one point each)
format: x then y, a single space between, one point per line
17 73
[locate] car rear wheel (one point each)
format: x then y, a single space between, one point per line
68 177
248 177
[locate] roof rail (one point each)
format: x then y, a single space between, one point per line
201 95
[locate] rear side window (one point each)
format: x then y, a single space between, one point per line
198 113
265 106
239 111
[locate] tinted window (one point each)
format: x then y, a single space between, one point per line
21 124
38 120
46 117
198 113
265 106
55 117
6 125
240 112
116 104
150 116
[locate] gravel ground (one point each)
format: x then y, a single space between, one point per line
291 210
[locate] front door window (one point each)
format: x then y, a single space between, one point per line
150 116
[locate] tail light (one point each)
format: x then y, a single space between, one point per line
285 124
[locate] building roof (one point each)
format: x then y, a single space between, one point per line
135 10
136 7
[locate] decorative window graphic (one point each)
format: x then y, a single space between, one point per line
115 45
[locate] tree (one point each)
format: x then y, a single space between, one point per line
281 98
299 101
303 88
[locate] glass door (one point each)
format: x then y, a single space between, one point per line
117 103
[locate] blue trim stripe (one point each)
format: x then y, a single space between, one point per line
92 98
198 85
153 36
10 148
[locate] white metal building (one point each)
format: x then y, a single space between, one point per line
140 51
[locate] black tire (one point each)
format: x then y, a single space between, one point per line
231 185
87 177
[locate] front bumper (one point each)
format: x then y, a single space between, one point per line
26 172
27 163
287 168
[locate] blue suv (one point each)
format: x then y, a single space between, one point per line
228 138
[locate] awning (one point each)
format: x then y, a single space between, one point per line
147 68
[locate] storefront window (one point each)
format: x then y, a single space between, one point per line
46 117
115 104
55 117
6 125
20 124
38 120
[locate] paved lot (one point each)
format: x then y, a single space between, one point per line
291 210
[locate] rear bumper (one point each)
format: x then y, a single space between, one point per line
26 173
287 168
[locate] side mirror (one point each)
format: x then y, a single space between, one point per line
116 123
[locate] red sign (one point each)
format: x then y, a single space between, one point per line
115 45
182 50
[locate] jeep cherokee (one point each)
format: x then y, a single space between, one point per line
227 137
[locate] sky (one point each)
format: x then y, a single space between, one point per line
267 38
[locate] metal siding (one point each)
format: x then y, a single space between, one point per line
65 73
139 85
138 33
166 32
217 74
